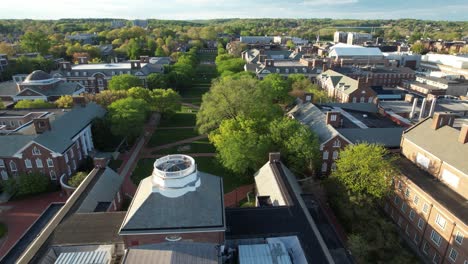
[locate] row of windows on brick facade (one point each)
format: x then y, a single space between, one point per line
12 123
84 74
435 237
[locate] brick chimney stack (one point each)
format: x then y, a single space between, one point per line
82 60
333 118
308 97
41 125
274 157
79 101
269 62
135 64
442 119
144 59
463 137
65 66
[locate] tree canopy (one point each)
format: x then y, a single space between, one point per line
37 103
157 80
35 41
124 82
128 116
65 101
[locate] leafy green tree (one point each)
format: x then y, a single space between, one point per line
278 87
165 101
233 96
124 82
65 101
6 48
418 48
365 170
159 52
297 143
227 62
27 184
37 103
290 45
107 97
140 93
241 145
157 80
35 41
128 116
133 49
77 178
2 105
103 138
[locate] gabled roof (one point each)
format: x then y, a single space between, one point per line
268 185
355 51
8 88
12 143
152 212
389 137
341 82
442 143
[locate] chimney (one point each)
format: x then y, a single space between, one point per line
362 82
79 101
308 97
325 67
333 118
274 157
262 58
65 66
144 59
441 119
135 64
41 125
270 62
409 98
82 60
463 137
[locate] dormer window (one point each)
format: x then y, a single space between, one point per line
337 143
36 151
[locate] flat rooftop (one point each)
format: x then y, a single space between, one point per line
105 66
448 198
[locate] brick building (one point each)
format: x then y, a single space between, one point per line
429 204
425 85
381 76
344 89
95 77
176 203
53 143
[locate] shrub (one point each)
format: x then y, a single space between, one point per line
28 184
76 179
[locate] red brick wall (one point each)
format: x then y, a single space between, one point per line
330 147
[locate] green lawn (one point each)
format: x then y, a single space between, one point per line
231 181
166 136
199 146
185 117
194 92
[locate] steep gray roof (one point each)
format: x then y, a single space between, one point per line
38 76
310 115
442 143
59 138
200 209
65 88
8 88
11 144
388 137
361 107
173 253
349 84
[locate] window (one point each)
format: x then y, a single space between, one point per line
400 186
50 163
85 74
363 99
407 229
416 238
79 155
396 200
74 164
425 208
403 207
453 255
425 247
335 155
113 73
68 170
337 143
36 151
118 197
420 223
324 167
325 155
400 221
441 222
13 166
407 193
66 157
333 118
52 174
416 199
72 154
459 237
422 161
435 237
436 258
27 163
369 100
39 163
2 163
333 166
411 214
4 175
77 74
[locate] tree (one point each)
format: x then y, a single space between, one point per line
103 138
418 48
159 52
76 179
27 184
38 103
6 48
124 82
290 45
241 144
128 116
65 101
227 62
107 97
278 87
365 170
133 49
157 80
165 101
233 96
297 143
35 41
2 105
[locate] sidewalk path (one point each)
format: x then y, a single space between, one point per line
173 144
191 105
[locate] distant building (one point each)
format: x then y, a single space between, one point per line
425 85
118 23
404 59
338 125
429 201
344 89
84 38
140 23
449 64
358 38
295 40
256 39
349 55
50 142
3 62
340 37
379 76
95 77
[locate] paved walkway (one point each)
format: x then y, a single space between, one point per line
191 105
19 215
181 127
173 144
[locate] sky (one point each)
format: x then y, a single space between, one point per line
209 9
